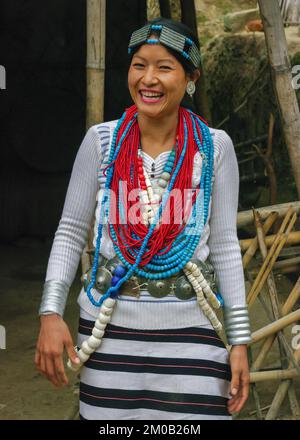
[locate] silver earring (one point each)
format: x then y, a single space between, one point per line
191 88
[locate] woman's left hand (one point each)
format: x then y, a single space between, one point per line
239 387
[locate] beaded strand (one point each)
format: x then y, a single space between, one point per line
171 259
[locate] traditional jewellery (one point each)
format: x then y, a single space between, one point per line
55 294
177 285
151 248
191 88
236 320
168 37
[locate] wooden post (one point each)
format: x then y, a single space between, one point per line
95 72
189 17
165 8
188 14
95 63
282 80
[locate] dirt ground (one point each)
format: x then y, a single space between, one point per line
24 393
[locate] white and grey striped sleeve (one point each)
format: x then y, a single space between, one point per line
225 252
71 234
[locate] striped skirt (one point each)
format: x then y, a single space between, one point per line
176 374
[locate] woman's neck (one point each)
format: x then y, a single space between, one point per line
158 135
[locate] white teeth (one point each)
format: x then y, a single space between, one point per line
148 95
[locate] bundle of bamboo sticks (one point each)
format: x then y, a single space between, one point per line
270 248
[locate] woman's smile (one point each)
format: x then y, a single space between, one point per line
151 96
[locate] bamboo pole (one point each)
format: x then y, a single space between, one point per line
293 238
290 269
284 266
273 253
264 408
287 307
95 70
281 393
189 17
292 298
252 248
282 80
253 389
270 278
165 8
95 63
287 263
267 158
260 234
284 348
275 327
244 218
261 376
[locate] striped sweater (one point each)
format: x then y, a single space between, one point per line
218 241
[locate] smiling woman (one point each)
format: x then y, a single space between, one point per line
149 344
155 76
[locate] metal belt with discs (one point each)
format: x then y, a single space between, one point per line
177 285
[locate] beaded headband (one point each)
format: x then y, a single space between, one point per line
168 37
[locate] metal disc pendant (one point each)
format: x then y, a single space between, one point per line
112 264
184 290
159 288
86 279
103 280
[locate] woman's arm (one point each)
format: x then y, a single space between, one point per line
225 255
225 252
68 244
71 235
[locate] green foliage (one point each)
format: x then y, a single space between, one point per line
295 61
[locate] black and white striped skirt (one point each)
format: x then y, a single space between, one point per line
176 374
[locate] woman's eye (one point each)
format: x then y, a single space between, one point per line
138 65
165 67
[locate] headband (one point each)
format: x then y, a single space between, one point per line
168 37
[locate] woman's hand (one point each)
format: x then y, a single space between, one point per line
53 338
239 387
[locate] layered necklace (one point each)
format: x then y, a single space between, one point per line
152 247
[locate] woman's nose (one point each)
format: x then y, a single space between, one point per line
149 76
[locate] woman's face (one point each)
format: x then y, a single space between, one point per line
156 80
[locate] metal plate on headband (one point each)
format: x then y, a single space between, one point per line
170 38
139 36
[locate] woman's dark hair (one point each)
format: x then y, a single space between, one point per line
182 29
